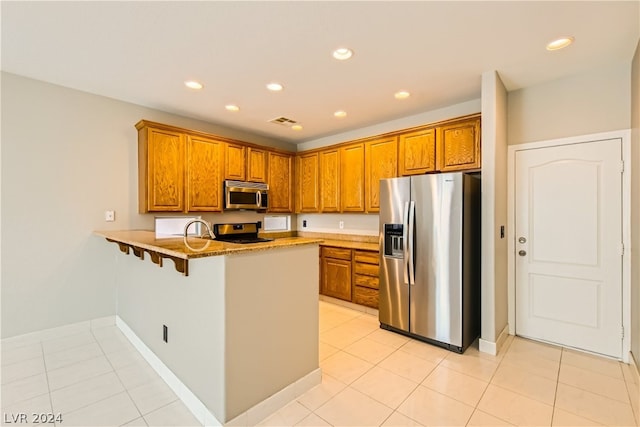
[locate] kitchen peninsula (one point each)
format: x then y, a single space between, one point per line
241 327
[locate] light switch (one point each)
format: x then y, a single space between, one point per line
109 216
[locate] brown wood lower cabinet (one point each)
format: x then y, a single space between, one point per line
335 272
350 275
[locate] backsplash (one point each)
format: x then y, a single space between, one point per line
357 224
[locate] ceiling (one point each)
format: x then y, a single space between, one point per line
142 52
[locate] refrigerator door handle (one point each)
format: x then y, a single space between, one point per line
405 240
410 243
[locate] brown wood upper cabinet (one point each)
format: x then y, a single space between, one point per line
280 182
417 152
330 180
307 188
204 174
352 179
257 164
381 160
235 162
161 166
458 146
178 171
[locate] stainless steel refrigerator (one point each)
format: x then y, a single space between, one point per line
430 258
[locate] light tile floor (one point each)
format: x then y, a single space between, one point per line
374 377
90 376
370 377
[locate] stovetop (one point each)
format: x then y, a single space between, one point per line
243 240
239 233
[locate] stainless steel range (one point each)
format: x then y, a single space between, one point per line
244 232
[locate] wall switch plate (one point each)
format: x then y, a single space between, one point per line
341 225
109 216
304 222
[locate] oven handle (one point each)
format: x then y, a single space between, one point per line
259 199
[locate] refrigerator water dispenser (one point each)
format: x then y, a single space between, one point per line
393 243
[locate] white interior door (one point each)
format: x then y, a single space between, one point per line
568 260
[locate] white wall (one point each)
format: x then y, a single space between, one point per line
591 102
67 156
358 224
635 206
494 210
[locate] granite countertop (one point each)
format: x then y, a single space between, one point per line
175 247
349 244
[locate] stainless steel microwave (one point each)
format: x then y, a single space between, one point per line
246 195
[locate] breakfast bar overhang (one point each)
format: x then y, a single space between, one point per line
240 328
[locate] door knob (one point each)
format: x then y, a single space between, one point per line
522 253
522 240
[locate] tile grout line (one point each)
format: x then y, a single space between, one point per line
46 375
555 393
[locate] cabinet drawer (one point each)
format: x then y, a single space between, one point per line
338 253
367 269
365 296
367 256
367 281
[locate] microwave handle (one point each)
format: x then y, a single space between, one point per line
259 199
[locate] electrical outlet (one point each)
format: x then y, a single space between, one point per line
304 222
165 333
341 225
109 216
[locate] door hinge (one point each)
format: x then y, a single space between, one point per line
621 248
622 332
621 166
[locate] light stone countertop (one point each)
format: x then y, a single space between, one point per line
175 247
349 244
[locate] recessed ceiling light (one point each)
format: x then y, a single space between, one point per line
232 107
296 127
560 43
340 114
275 87
342 53
403 94
192 84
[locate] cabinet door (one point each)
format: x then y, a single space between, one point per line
234 162
382 162
352 178
459 146
204 174
165 158
417 152
330 180
257 164
308 192
336 278
280 182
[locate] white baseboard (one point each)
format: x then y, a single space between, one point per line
491 347
251 417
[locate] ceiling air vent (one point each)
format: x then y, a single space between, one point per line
283 121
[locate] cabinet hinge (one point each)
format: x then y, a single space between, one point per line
622 332
621 166
621 248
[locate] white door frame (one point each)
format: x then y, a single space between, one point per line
625 136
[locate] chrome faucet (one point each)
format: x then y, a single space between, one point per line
207 235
